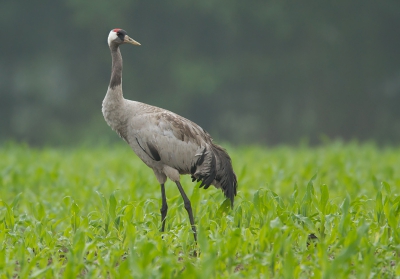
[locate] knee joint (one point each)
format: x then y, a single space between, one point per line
188 205
164 209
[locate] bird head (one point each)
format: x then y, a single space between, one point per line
118 36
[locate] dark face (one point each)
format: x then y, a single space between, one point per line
119 36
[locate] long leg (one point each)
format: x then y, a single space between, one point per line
164 207
188 208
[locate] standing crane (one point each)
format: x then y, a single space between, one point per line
169 144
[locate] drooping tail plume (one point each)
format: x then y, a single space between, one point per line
225 176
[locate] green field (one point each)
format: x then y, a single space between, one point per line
95 213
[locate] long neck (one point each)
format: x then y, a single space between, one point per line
116 70
114 98
113 102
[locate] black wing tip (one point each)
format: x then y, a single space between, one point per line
223 174
230 190
205 178
154 152
226 174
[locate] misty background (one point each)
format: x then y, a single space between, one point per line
264 72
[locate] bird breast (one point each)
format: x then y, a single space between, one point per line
115 116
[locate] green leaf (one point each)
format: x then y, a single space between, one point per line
113 205
379 208
387 188
375 183
224 208
103 201
16 200
324 198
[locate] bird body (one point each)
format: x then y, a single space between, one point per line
169 144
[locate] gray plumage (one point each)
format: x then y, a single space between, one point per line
169 144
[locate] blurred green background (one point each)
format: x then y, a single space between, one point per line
265 72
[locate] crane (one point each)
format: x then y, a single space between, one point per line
169 144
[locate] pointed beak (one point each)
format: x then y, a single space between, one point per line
129 40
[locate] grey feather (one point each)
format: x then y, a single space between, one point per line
168 143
